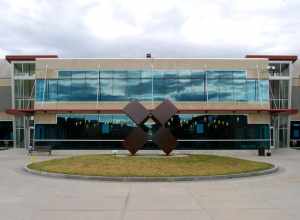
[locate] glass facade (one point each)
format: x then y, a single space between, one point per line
279 93
191 131
24 94
85 131
295 134
6 133
218 132
182 85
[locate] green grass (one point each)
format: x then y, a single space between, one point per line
109 165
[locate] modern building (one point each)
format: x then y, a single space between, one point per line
243 103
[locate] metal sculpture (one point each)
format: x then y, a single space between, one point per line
138 137
165 140
135 140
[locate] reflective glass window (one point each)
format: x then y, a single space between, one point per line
181 85
136 74
146 89
251 90
78 74
78 90
119 89
92 89
240 93
171 82
106 74
226 89
264 90
52 90
184 89
159 89
39 90
120 74
295 130
64 90
213 89
197 90
106 87
239 74
93 74
6 130
134 91
64 74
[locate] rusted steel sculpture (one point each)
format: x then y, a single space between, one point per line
165 140
163 112
137 112
138 137
135 140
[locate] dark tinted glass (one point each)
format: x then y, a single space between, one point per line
181 85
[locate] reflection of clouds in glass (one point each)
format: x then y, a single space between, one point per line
126 85
185 126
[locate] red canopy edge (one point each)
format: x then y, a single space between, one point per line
292 58
10 58
32 111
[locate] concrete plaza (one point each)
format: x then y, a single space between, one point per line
24 196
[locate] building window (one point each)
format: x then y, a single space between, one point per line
295 134
79 126
191 131
279 93
24 94
21 69
6 130
279 69
181 85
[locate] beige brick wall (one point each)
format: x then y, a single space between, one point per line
120 105
295 117
255 67
5 116
44 118
259 118
253 118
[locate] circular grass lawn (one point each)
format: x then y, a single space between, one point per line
159 166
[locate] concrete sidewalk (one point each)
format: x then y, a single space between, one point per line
24 196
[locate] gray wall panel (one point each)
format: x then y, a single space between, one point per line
5 98
296 97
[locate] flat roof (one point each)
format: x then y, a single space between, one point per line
11 58
292 58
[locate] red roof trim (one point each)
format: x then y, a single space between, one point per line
31 111
10 58
292 58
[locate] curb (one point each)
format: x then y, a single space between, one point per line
153 179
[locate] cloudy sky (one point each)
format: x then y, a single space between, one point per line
166 28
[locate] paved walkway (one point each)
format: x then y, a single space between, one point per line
28 197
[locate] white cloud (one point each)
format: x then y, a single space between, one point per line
132 27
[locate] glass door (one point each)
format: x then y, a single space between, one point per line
30 137
272 144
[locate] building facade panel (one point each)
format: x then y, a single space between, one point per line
256 68
221 103
5 98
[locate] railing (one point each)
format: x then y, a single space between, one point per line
279 103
